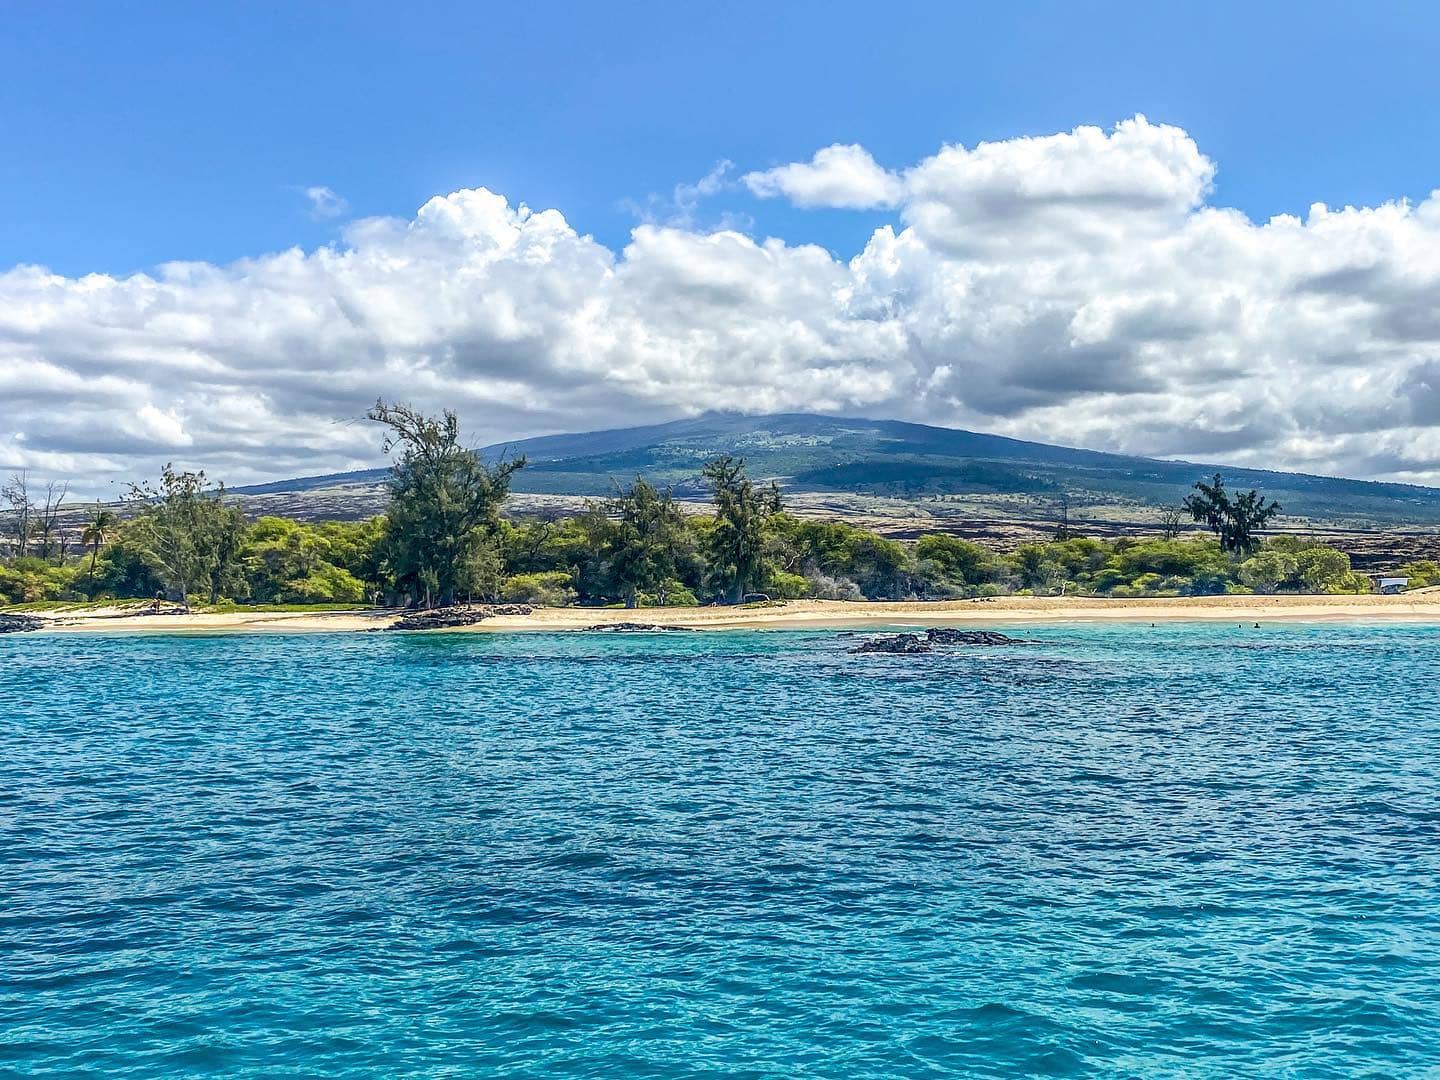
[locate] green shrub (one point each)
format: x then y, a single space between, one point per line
1422 572
954 561
1147 584
676 594
1107 579
326 584
32 581
786 586
1266 571
549 588
1324 569
1352 582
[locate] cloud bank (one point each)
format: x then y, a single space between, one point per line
1075 288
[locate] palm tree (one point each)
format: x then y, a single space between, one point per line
99 531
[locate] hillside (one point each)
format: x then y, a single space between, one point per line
886 469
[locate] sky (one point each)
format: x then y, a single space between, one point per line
1182 230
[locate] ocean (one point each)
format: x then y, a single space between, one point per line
1190 850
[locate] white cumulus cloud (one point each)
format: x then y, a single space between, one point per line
837 176
1076 288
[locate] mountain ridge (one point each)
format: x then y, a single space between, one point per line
901 459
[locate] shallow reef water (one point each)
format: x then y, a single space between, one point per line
1186 850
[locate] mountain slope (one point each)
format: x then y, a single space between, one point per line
892 460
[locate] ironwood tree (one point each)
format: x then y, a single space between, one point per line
188 533
736 545
1234 521
642 532
444 504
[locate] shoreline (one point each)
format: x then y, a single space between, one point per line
1418 607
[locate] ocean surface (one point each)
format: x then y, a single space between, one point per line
1131 851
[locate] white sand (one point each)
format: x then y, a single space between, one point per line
1415 607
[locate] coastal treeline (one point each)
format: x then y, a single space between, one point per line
444 539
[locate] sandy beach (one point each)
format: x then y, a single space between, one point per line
1419 606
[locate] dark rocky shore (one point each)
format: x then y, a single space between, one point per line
448 618
19 624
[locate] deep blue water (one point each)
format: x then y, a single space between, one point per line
1185 851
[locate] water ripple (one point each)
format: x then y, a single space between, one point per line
1187 851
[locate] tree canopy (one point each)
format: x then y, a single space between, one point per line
737 543
1234 521
444 504
188 533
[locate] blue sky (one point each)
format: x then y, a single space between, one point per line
1050 221
135 134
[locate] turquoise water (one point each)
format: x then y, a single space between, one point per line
1182 851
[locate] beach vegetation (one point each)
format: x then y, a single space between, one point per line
1266 571
1323 569
1236 521
663 557
641 536
99 530
188 534
1422 573
736 543
445 540
444 504
548 588
287 561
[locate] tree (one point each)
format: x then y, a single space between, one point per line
1038 567
222 542
879 566
956 562
125 568
736 545
444 502
99 531
1267 570
645 531
482 571
1171 521
188 532
51 542
551 588
1234 522
296 562
1323 569
16 493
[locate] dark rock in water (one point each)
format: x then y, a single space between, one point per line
900 644
19 624
633 628
906 644
450 617
945 635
